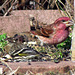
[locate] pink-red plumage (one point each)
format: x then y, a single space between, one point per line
54 33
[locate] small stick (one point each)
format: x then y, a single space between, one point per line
66 10
9 8
70 4
44 3
59 9
13 72
6 64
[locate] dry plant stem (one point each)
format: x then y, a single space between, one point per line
51 3
13 72
7 11
70 4
20 5
27 73
44 3
10 8
3 4
40 5
59 9
48 4
6 64
8 2
28 8
66 10
37 4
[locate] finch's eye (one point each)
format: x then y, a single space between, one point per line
63 20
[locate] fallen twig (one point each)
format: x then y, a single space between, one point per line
66 10
3 62
59 9
13 72
9 8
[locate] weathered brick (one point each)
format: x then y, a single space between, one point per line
41 67
19 20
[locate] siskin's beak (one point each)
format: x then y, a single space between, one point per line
68 23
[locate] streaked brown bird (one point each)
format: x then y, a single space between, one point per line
54 33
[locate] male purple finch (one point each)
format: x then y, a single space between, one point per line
54 33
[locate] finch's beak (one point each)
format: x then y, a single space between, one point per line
68 23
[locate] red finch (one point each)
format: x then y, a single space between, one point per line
54 33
